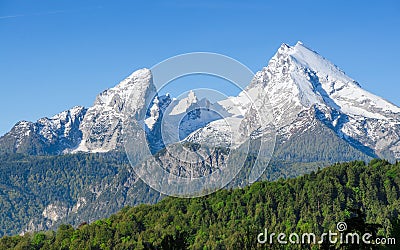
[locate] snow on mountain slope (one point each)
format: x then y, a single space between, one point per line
54 135
62 124
102 125
369 119
222 132
237 106
239 120
184 104
297 77
346 92
361 116
183 116
158 106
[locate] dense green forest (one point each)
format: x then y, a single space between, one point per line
366 196
29 184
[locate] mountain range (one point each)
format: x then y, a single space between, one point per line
304 89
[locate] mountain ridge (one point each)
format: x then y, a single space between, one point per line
295 79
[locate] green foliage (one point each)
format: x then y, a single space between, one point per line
28 184
232 219
326 147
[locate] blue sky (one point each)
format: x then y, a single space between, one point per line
58 54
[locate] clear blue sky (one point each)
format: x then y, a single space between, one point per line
57 54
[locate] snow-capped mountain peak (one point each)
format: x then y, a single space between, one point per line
134 83
310 59
298 78
305 78
343 90
184 104
102 125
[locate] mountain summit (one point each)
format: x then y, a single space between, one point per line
297 78
305 91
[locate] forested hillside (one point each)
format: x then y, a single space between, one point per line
40 192
232 219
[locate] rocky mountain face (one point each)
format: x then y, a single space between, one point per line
56 135
366 121
103 122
